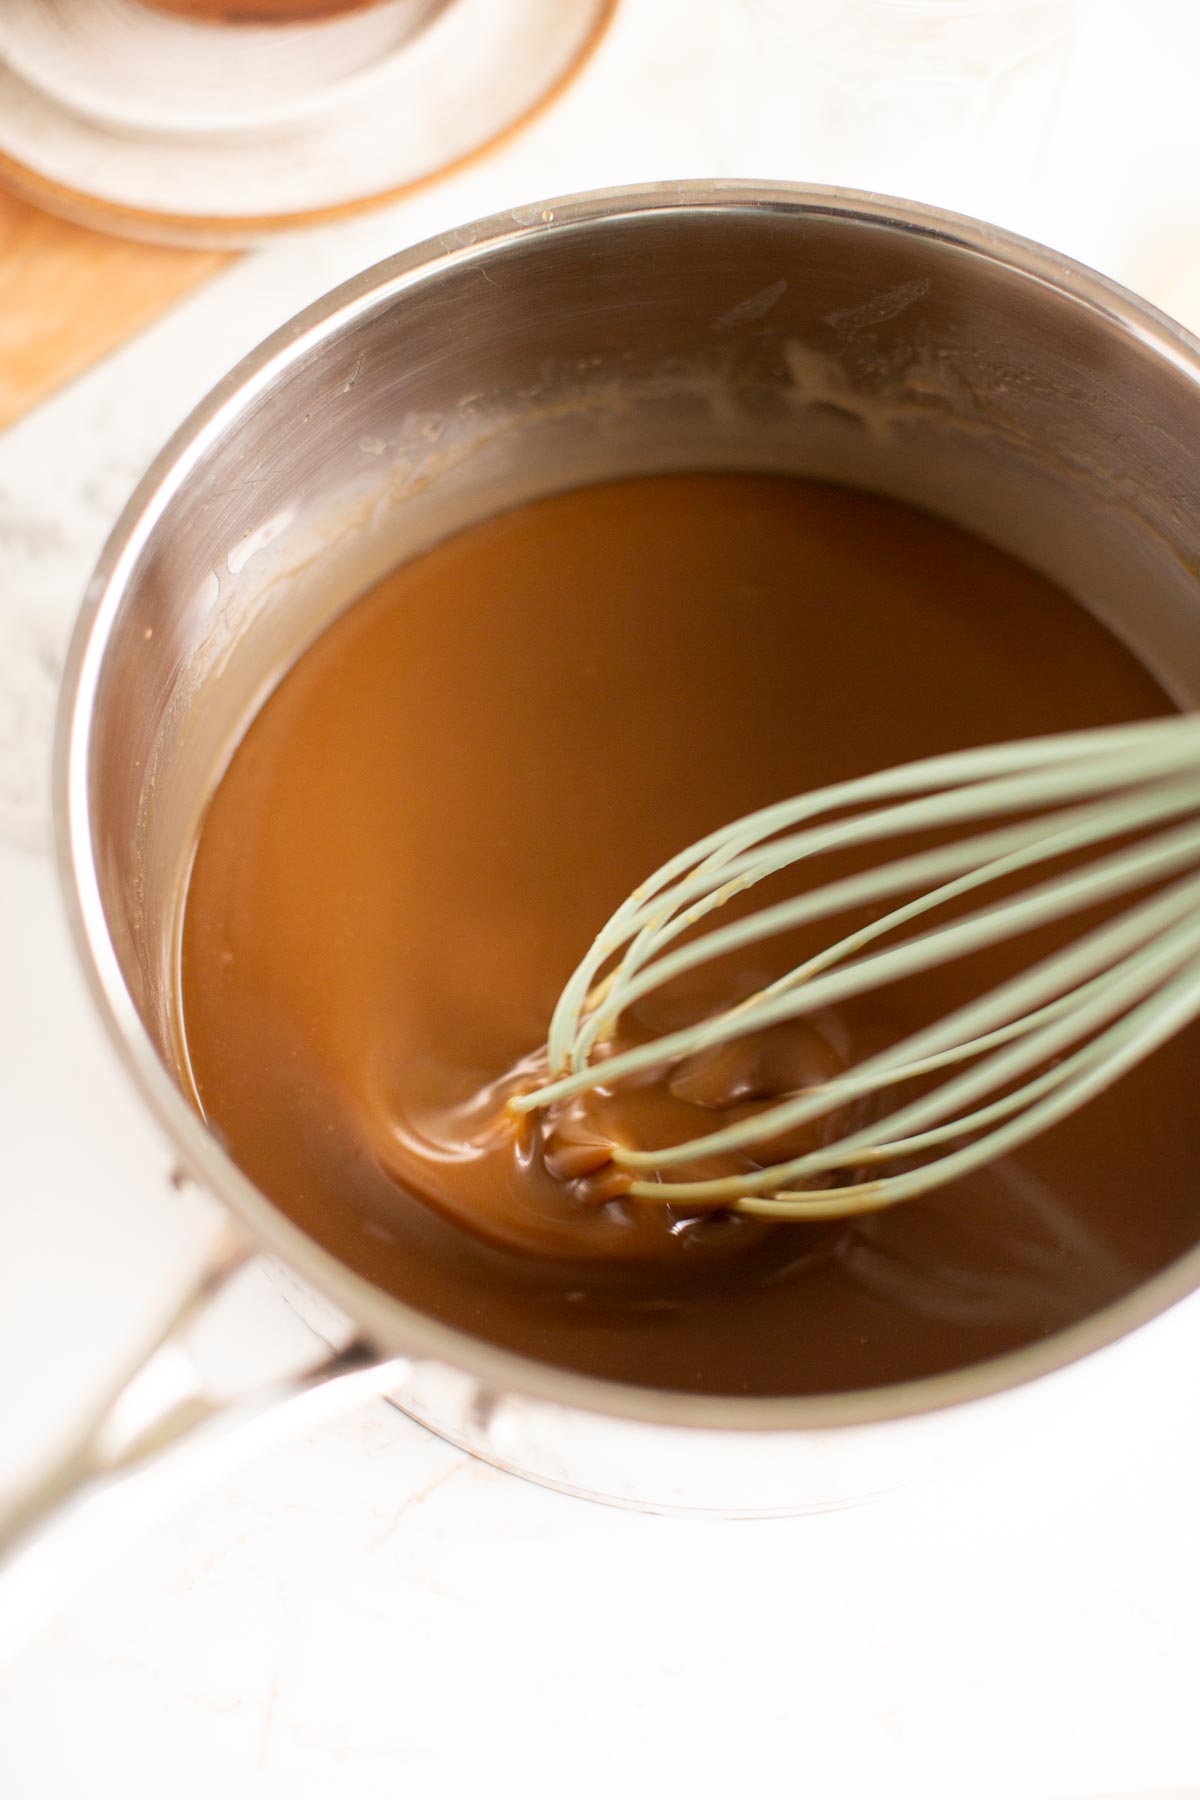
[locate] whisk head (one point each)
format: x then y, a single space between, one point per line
1122 802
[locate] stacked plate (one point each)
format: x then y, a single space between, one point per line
144 120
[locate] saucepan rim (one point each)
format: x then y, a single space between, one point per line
386 1322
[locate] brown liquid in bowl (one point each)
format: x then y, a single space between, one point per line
444 799
259 12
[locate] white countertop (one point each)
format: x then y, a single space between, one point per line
367 1611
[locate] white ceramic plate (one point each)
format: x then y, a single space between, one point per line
140 152
121 65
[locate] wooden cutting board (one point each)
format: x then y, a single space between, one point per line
68 296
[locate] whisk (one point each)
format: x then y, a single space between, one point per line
1011 1062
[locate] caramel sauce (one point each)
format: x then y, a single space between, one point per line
444 799
259 12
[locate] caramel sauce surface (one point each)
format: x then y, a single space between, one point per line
443 800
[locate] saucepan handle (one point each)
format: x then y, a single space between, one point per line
157 1434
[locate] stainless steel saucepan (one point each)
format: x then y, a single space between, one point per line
696 325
